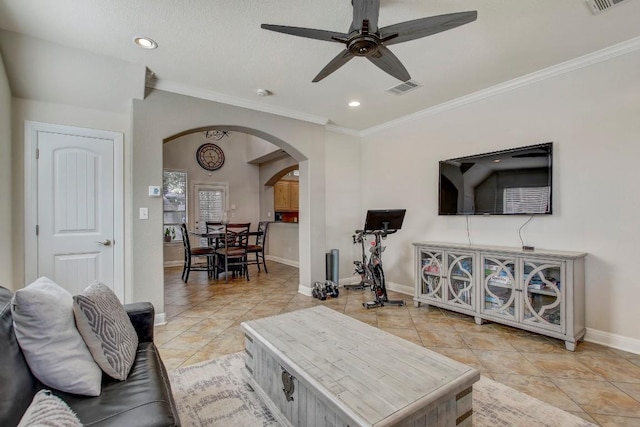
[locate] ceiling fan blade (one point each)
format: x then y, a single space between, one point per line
365 10
389 63
423 27
337 62
329 36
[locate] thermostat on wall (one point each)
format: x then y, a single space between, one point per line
154 191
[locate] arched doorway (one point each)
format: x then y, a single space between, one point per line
241 187
164 115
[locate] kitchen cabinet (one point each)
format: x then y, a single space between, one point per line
285 196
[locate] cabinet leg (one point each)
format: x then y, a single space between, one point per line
478 320
416 304
571 346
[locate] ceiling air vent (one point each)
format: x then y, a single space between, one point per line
599 6
405 87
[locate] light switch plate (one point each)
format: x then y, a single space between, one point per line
144 213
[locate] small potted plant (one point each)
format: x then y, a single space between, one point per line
169 234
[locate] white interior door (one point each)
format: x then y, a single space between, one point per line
76 208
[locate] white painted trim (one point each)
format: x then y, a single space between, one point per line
31 130
283 261
173 263
118 216
342 130
608 339
210 95
160 319
30 202
353 280
397 287
565 67
304 290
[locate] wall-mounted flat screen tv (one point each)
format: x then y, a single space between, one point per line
508 182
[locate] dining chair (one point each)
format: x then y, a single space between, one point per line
215 227
233 255
194 253
258 248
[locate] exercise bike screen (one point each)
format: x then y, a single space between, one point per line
376 219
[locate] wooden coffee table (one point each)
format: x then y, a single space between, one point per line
318 367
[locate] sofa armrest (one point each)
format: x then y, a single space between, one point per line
142 315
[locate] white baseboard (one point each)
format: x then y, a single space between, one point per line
304 290
173 263
608 339
353 280
160 319
397 287
283 261
391 286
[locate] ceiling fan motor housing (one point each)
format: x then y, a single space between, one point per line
363 45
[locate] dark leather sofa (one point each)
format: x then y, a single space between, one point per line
143 399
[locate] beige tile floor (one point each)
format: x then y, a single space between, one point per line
597 383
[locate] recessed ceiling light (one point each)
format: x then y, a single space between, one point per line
145 42
496 161
354 104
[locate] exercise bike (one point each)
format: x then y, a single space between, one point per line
378 224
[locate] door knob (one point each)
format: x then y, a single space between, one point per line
105 242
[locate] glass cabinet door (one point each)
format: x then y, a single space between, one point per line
432 271
499 296
543 303
460 280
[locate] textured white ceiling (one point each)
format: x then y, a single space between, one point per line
217 46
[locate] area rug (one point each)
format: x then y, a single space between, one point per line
213 393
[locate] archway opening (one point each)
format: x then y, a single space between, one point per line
249 196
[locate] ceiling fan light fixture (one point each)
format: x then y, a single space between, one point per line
145 42
354 104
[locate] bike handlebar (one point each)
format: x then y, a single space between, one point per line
374 232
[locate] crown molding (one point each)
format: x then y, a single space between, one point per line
210 95
602 55
596 57
343 130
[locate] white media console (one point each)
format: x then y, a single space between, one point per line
541 291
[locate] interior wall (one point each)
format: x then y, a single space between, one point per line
162 115
258 147
282 239
591 115
46 112
6 243
343 208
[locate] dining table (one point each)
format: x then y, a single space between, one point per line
213 236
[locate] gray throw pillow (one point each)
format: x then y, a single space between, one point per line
106 329
52 346
48 410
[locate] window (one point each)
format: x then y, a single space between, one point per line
210 205
526 200
174 202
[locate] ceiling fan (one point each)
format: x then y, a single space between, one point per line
366 39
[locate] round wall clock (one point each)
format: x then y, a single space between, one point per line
210 157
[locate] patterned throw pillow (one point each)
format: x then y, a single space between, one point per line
46 331
48 410
106 329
